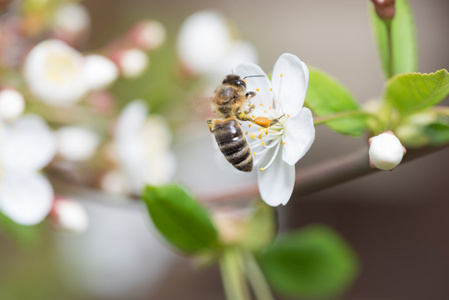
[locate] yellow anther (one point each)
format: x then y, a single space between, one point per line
260 136
247 81
254 153
253 116
261 104
283 143
281 75
263 144
249 125
266 133
257 89
288 116
265 111
261 169
252 136
271 89
269 107
246 133
275 101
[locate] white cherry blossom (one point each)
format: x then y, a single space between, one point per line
143 147
26 146
54 73
278 148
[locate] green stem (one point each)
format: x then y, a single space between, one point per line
231 272
255 277
345 114
390 49
441 110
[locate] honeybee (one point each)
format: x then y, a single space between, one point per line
228 102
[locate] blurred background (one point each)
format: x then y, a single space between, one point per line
395 221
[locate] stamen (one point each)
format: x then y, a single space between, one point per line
253 116
282 75
283 143
269 107
252 136
261 169
257 89
260 136
246 133
261 104
263 144
271 89
249 125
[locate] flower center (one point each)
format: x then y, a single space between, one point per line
268 138
60 68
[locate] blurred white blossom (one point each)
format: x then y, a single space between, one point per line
205 45
143 147
76 143
69 215
148 35
278 148
54 73
71 18
385 151
12 104
132 62
26 146
98 72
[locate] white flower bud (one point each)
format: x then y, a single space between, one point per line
99 72
133 62
148 35
69 215
72 18
385 151
12 104
76 143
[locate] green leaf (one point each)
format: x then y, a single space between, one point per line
413 92
438 133
183 221
312 262
326 96
261 228
403 40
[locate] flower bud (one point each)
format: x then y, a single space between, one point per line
132 62
147 35
385 151
384 8
99 72
69 215
12 104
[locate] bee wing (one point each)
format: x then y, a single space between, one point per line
201 106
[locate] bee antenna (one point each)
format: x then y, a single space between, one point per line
253 76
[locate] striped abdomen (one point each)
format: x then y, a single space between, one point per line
232 144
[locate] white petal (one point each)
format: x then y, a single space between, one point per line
28 145
76 143
276 182
12 104
98 72
131 118
260 85
27 200
299 136
70 215
290 89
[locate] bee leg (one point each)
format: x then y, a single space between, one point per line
275 121
249 109
210 123
250 94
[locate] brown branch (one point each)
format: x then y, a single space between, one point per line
321 176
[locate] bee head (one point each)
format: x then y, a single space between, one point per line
234 80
